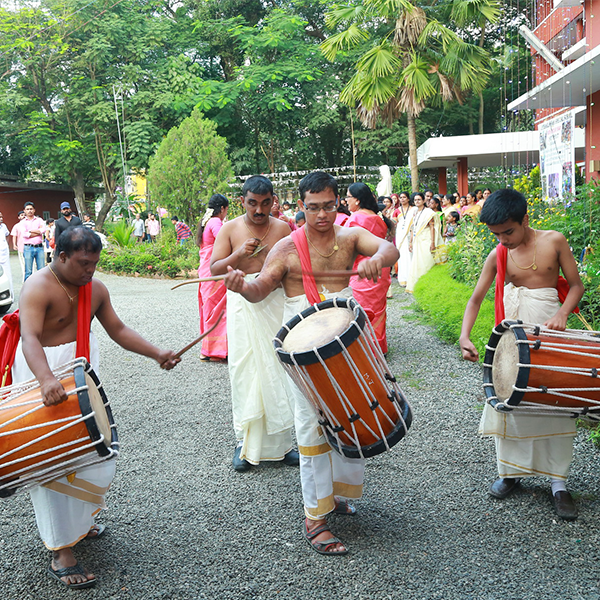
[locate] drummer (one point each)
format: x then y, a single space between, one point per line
321 247
48 308
526 445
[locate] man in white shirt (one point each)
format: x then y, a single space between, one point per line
138 228
5 252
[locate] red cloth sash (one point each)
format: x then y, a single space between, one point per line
10 334
562 287
84 321
308 280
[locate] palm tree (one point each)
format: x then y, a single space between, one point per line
408 60
476 13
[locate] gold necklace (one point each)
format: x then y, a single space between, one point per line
532 266
335 246
252 232
71 298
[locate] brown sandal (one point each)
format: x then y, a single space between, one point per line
322 547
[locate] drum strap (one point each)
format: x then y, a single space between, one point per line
562 287
308 280
80 490
84 321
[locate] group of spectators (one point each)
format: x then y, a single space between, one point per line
33 238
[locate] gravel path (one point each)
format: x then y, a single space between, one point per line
183 525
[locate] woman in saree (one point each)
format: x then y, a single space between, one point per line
403 217
212 295
424 237
370 295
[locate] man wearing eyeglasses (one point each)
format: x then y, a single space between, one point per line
262 412
326 476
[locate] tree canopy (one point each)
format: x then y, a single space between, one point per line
89 90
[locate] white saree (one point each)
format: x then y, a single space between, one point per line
530 445
422 257
262 412
324 472
65 508
402 235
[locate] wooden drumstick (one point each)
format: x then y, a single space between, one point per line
199 280
199 339
330 273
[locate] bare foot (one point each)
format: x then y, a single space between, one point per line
324 542
64 558
95 531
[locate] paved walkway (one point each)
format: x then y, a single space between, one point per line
183 525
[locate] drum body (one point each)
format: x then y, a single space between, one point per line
332 354
545 371
40 443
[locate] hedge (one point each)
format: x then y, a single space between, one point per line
444 299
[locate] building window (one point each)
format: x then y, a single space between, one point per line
46 215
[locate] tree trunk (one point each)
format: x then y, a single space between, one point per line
79 189
412 151
109 200
481 106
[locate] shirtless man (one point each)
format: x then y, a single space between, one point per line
48 322
526 445
326 476
262 413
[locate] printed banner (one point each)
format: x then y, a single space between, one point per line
557 156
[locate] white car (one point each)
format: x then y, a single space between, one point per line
6 296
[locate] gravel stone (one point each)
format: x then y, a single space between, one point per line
183 525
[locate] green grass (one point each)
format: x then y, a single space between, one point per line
443 300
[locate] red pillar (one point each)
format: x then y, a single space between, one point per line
592 136
442 181
462 175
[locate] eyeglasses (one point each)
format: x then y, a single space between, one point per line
313 210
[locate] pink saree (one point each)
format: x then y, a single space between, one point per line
372 296
212 297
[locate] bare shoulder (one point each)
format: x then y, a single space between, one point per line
550 236
36 287
281 228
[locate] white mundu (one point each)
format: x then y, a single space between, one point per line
65 508
324 472
262 411
530 445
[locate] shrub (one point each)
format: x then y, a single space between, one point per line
170 268
122 235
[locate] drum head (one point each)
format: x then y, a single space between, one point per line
505 365
318 329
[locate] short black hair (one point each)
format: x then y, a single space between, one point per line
257 184
300 216
504 205
78 238
28 203
174 218
455 215
317 181
21 212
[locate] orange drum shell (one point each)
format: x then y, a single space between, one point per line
544 356
46 414
345 377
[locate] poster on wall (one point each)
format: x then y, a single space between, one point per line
557 156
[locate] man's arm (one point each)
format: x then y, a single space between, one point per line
270 277
125 336
382 253
569 268
32 314
486 278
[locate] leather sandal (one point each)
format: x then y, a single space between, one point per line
322 547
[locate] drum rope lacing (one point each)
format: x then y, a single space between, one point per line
370 347
86 454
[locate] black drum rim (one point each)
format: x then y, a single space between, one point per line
333 348
523 372
104 448
379 447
